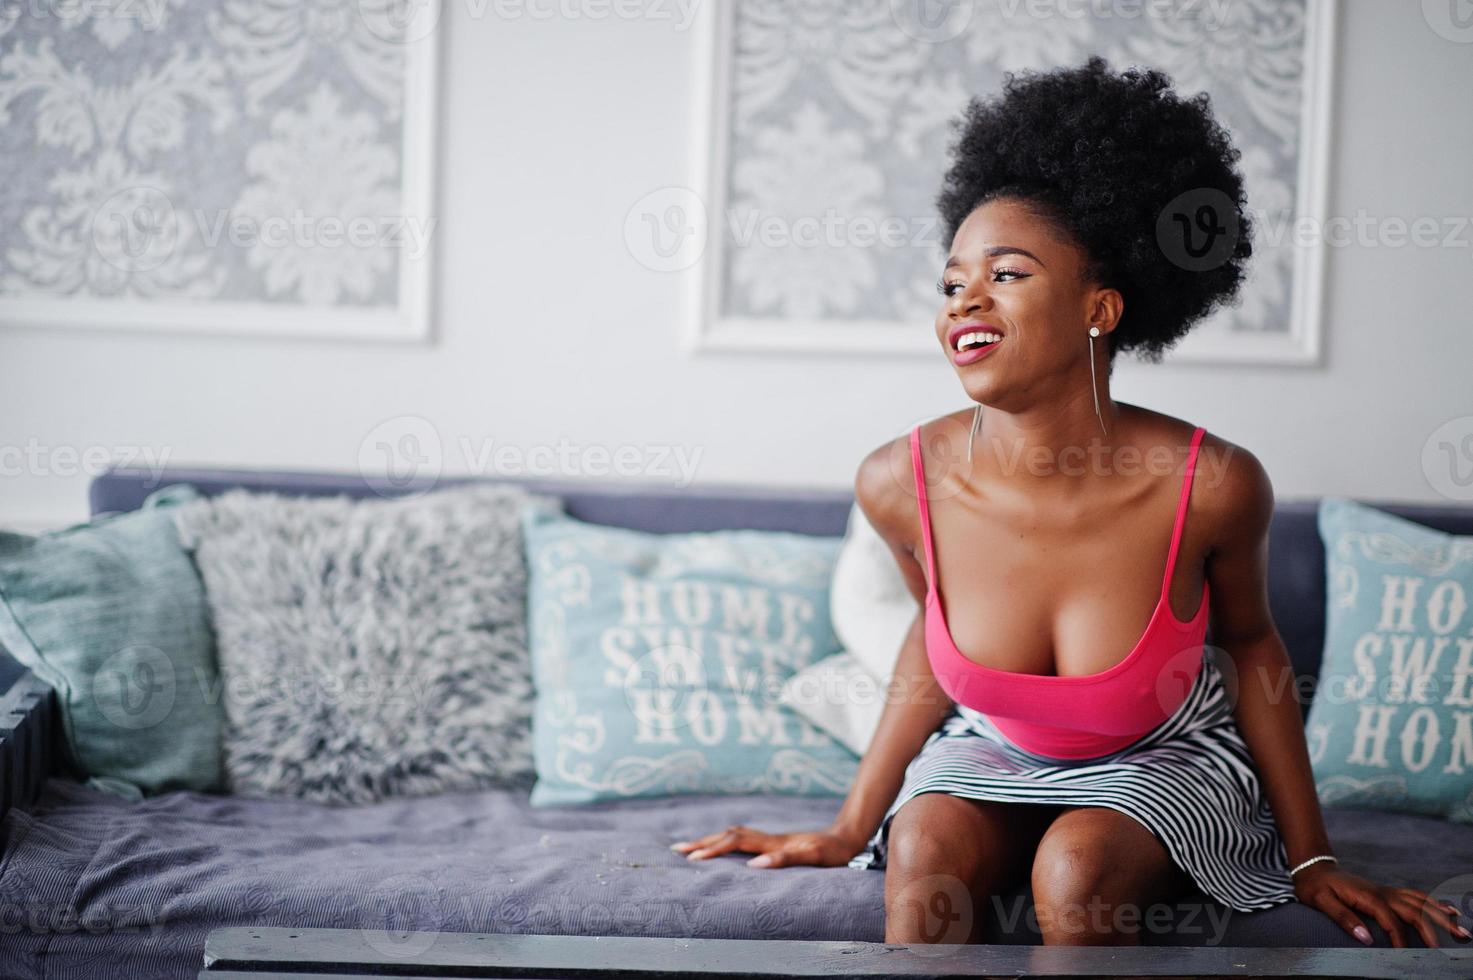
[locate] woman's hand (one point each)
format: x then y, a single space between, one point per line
1337 893
826 848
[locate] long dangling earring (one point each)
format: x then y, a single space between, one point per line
1094 385
976 421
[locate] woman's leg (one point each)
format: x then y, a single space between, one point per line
1096 873
947 856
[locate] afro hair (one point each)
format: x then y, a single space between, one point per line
1102 156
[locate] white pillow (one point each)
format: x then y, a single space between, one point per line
871 608
839 696
869 602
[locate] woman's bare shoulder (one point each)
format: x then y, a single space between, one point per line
883 488
1231 491
885 485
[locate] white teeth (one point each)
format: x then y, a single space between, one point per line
976 337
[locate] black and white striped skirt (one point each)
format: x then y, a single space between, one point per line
1190 780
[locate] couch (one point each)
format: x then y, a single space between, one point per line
89 879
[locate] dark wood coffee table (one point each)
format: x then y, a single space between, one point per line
243 953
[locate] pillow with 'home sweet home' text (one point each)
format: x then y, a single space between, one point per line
659 661
1391 723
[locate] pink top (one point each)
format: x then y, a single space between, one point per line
1099 713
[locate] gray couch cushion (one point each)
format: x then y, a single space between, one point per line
163 872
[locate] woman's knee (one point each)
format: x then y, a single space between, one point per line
1093 866
933 872
938 830
926 830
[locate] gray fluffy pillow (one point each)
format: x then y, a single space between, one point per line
369 649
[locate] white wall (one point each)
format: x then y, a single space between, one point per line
547 329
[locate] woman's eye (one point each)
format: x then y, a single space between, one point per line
945 288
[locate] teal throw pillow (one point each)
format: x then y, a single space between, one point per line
112 614
659 661
1391 723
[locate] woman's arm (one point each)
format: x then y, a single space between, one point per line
1267 708
914 707
914 703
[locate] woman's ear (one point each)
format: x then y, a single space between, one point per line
1105 307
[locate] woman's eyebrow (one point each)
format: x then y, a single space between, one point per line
998 250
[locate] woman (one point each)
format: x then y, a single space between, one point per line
1086 213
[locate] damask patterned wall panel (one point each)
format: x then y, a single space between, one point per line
831 135
252 166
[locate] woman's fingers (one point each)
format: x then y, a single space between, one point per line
1376 906
688 845
1420 915
1343 916
1428 908
736 837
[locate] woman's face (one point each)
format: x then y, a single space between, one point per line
1011 274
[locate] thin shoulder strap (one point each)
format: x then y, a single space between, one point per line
920 479
1181 509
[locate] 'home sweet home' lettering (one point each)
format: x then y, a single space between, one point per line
1398 664
682 649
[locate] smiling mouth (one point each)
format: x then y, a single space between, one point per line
976 339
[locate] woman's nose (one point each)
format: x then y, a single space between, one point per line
974 300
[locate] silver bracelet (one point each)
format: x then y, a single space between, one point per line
1318 857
